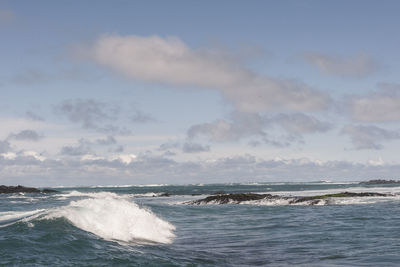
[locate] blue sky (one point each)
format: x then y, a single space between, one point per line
139 92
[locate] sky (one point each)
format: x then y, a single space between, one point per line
182 92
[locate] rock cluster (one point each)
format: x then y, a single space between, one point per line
242 197
380 181
22 189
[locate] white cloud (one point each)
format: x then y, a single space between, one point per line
186 147
218 131
33 116
240 125
27 135
9 155
191 147
34 154
110 140
378 106
83 148
16 124
4 146
92 115
300 123
354 66
125 158
170 61
369 137
91 157
245 125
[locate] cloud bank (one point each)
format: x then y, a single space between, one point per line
29 169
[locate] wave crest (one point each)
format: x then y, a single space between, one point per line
116 219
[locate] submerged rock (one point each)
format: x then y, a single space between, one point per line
22 189
311 200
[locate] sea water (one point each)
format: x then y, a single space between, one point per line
142 226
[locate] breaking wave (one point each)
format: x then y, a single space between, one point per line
116 219
106 215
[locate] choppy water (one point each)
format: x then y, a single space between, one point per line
135 226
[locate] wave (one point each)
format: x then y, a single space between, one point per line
8 218
111 186
92 195
116 219
106 215
108 194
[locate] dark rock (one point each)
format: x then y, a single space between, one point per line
311 200
22 189
46 190
233 198
380 181
219 193
315 199
165 195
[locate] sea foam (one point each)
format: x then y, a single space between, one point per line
115 218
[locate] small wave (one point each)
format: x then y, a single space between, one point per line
149 194
91 195
8 218
109 194
114 218
128 185
150 185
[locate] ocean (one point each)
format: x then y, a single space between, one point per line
156 225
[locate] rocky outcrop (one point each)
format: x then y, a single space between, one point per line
22 189
233 198
310 200
316 199
380 181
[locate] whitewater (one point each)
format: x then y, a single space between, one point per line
155 225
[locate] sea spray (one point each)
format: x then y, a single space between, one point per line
115 218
